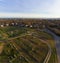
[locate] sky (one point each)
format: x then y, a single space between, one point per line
30 8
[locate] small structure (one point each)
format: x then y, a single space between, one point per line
16 23
7 24
26 25
2 25
12 23
31 26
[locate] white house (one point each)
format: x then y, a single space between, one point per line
2 25
7 24
26 25
12 23
31 26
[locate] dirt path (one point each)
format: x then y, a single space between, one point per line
1 47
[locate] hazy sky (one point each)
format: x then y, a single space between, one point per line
40 7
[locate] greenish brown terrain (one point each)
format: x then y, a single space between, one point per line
25 45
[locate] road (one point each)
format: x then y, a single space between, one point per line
57 42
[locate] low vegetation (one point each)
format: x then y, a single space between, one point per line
25 49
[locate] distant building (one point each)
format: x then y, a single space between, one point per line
16 23
31 26
12 23
2 25
7 24
26 25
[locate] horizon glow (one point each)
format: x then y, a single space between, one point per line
30 8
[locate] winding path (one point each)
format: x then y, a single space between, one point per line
49 52
57 42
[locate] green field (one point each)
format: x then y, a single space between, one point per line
24 45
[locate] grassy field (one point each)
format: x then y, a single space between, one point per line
49 38
12 31
25 49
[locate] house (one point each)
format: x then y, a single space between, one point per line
7 24
12 23
16 23
2 25
31 26
26 25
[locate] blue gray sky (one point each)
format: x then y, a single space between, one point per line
42 8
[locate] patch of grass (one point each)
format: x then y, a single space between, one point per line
49 38
37 51
28 48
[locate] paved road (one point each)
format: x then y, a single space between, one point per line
57 41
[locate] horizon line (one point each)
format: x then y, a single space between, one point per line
28 15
